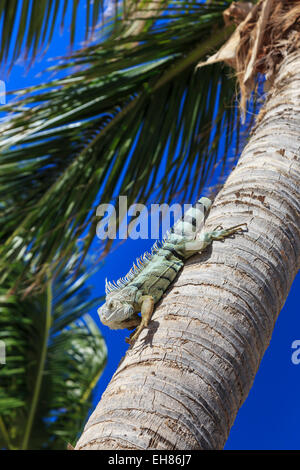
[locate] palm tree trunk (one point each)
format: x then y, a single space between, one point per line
183 382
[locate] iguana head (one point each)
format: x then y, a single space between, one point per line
117 313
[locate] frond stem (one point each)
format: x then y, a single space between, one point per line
5 434
92 384
41 366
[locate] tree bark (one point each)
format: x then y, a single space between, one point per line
181 385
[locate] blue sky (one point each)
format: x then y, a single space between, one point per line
269 418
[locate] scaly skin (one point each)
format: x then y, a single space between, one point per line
144 285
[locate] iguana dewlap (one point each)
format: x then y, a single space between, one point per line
147 281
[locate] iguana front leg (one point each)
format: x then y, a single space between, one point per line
206 238
147 307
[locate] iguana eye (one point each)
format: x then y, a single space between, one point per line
110 304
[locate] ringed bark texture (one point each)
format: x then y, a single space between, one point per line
181 385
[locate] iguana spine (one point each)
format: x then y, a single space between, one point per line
147 281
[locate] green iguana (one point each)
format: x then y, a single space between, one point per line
146 282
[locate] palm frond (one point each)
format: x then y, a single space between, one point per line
54 356
135 119
27 26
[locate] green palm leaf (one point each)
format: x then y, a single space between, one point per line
31 24
54 356
136 105
28 26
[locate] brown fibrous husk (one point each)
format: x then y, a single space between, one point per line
270 31
275 30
